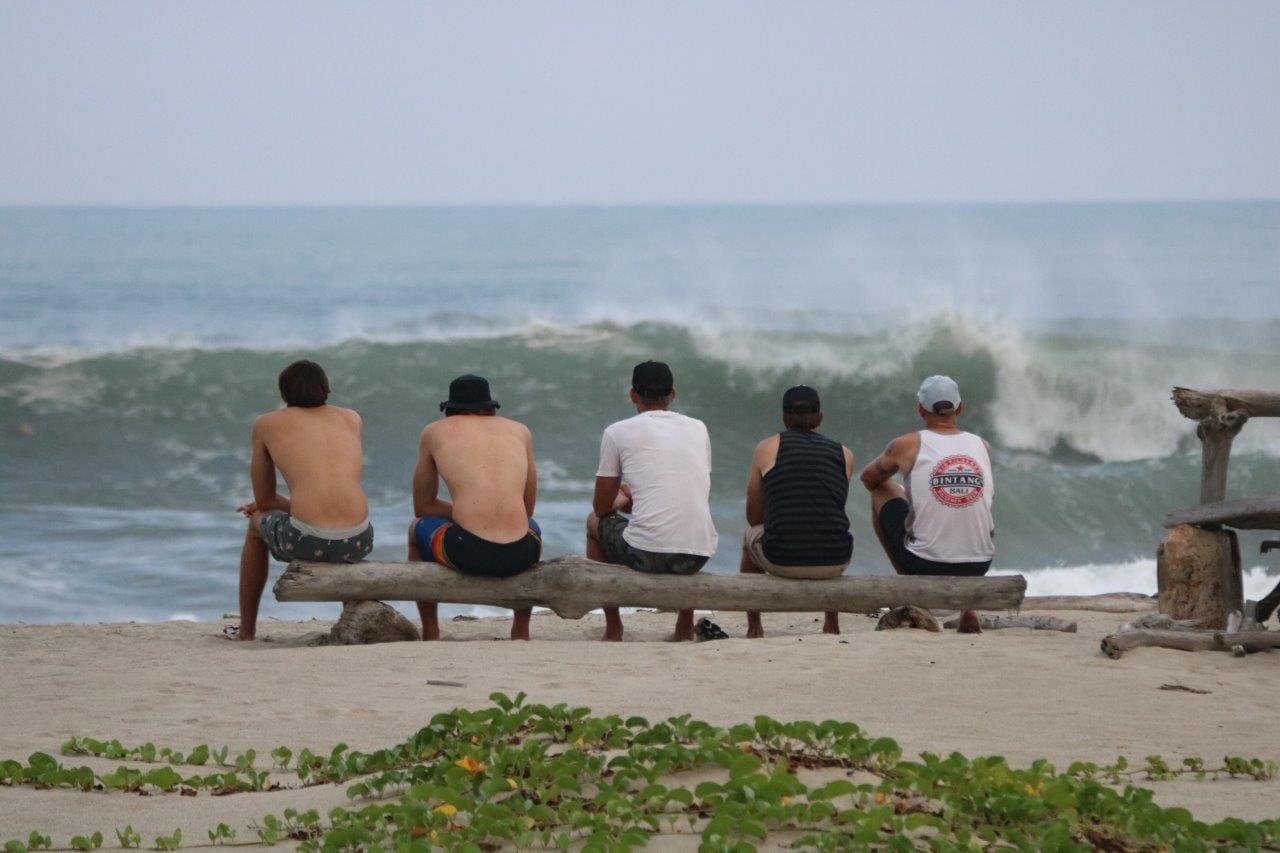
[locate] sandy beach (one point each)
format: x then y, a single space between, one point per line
1016 693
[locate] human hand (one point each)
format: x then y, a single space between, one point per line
247 510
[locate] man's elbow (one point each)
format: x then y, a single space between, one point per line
869 480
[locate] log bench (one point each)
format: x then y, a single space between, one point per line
572 586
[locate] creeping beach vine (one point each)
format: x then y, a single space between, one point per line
534 775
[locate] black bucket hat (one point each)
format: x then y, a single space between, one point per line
469 393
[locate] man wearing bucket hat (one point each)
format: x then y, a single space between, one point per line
938 522
796 494
487 529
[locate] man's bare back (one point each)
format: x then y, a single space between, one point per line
318 451
487 463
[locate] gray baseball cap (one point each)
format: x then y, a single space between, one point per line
939 394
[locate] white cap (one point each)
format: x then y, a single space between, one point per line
939 389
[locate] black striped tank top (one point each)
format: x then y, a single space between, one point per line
804 496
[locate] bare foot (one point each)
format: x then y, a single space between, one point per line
611 636
831 625
755 628
969 623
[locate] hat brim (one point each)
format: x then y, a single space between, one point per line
478 406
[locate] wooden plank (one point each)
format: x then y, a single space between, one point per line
1255 513
573 586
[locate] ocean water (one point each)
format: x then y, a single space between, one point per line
136 346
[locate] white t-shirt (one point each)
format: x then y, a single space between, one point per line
665 459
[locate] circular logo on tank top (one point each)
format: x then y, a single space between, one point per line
957 481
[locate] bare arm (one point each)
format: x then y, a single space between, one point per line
884 466
755 489
262 476
531 477
605 500
426 484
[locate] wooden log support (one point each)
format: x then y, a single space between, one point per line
1257 513
573 586
993 622
1220 416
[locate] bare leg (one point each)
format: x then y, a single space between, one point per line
427 610
831 625
253 577
755 630
881 495
684 627
520 624
612 619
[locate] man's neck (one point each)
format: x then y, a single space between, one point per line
653 407
944 425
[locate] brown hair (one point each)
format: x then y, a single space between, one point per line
304 384
804 421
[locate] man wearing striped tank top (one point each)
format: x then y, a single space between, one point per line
940 522
796 495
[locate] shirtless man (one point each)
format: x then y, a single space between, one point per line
940 523
796 493
317 448
487 529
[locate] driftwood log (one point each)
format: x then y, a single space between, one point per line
1258 513
573 586
988 621
1115 645
1220 415
1112 602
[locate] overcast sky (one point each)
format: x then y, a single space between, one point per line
530 102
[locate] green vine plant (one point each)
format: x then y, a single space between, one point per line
551 777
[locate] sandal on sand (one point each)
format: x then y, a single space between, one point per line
708 630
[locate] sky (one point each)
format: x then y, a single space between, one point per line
597 102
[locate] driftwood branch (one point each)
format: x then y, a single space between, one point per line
1201 404
1036 623
1115 645
1257 513
1221 415
573 586
1113 602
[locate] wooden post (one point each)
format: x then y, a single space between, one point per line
1220 416
573 586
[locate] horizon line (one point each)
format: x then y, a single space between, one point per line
480 205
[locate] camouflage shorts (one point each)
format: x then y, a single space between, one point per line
288 540
617 550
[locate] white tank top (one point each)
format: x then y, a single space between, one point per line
950 489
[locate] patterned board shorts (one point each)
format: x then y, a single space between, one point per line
617 550
290 540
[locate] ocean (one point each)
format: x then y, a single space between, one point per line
136 347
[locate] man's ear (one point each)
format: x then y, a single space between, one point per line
922 410
960 408
671 398
819 420
635 398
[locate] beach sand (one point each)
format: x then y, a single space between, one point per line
1016 693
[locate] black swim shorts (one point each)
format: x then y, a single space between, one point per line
893 522
289 539
442 541
618 550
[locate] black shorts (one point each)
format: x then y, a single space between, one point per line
442 541
893 523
